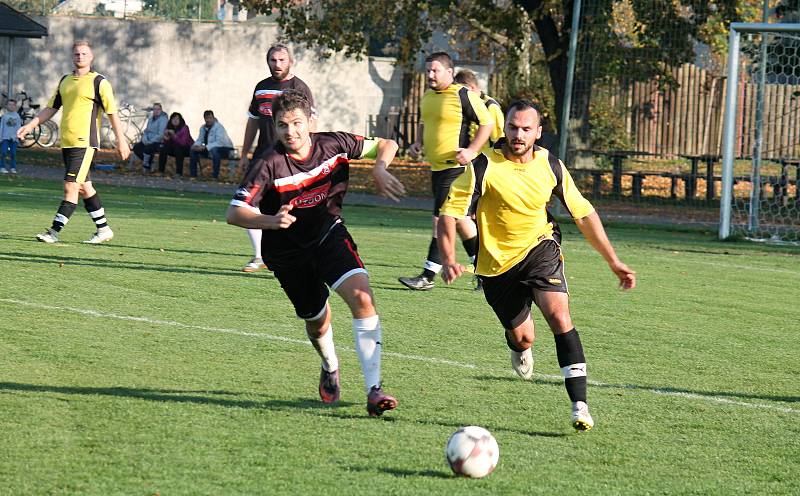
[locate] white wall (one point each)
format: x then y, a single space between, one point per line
191 66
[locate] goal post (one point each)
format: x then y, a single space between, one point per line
760 198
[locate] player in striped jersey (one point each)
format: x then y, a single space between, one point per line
294 193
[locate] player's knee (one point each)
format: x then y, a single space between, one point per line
558 321
360 302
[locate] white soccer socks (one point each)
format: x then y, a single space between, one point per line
255 240
326 350
367 335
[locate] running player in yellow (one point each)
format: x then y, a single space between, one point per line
519 258
83 94
447 109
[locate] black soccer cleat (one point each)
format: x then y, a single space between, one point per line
379 402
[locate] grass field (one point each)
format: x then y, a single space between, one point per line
151 365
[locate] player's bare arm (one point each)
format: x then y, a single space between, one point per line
45 115
123 149
592 229
387 185
250 131
446 239
251 219
465 155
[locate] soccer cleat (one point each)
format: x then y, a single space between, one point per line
101 236
48 236
522 363
419 283
254 265
329 386
3 170
13 171
581 419
379 402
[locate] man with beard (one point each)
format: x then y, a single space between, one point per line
519 259
279 61
447 109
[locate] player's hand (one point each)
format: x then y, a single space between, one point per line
451 272
626 276
24 131
465 155
244 162
388 186
283 219
415 150
123 150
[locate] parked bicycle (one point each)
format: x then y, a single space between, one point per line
133 122
45 134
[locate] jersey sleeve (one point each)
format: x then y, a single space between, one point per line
351 144
467 186
255 182
572 199
252 110
307 92
499 120
477 110
107 97
55 100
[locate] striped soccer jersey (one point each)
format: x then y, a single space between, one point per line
261 106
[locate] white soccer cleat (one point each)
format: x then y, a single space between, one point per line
101 236
48 236
522 363
581 419
3 170
254 265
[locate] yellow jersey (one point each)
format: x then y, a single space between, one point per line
83 98
511 214
446 117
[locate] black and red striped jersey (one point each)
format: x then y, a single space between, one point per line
261 106
314 185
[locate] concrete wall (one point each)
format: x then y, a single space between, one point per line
193 66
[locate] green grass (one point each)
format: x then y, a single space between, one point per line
152 365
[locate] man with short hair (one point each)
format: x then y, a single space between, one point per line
520 259
279 61
294 193
152 136
84 94
468 78
446 110
212 141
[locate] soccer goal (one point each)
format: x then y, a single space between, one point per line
761 135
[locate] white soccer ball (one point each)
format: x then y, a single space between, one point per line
472 451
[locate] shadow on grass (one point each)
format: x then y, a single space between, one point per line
204 397
655 389
435 474
120 264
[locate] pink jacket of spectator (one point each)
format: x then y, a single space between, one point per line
183 137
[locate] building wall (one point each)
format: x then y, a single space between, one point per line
193 66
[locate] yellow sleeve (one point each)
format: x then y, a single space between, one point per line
460 195
484 117
578 206
107 97
499 122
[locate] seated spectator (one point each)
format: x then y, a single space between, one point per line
177 142
151 137
212 140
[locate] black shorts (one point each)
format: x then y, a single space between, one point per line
77 162
511 293
440 185
306 279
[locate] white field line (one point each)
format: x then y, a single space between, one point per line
417 358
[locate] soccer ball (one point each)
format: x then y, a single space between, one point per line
472 452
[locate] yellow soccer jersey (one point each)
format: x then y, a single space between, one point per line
499 121
511 216
446 117
84 98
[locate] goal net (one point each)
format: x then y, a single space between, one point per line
761 137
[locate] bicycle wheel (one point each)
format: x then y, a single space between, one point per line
48 134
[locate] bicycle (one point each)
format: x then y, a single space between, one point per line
133 122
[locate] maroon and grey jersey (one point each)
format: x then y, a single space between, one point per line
261 107
315 186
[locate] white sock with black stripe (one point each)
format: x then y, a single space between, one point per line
367 334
